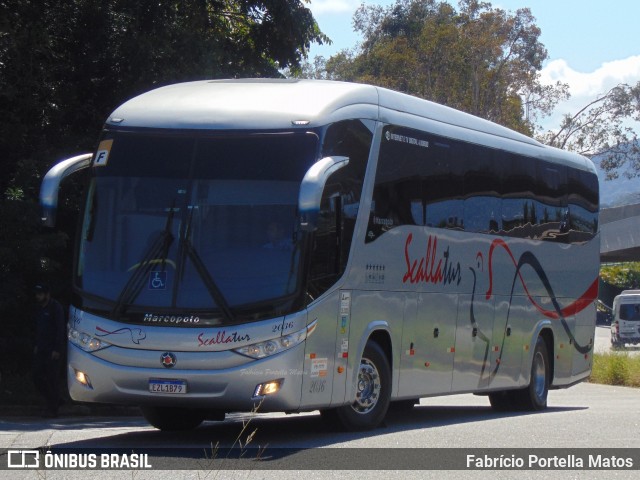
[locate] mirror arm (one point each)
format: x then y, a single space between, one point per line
312 187
51 185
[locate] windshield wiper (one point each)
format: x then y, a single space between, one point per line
209 282
159 249
212 287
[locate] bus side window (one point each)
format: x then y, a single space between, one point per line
518 187
427 180
482 190
583 206
418 182
398 190
442 187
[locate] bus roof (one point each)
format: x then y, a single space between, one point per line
246 104
285 103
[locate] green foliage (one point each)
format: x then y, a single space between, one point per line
624 275
478 59
65 65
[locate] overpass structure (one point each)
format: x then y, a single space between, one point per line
620 234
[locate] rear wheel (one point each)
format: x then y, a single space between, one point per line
172 419
534 397
373 392
502 401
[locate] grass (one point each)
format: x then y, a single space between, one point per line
616 368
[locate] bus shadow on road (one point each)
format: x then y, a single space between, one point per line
439 416
297 431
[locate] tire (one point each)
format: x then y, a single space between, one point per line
534 397
373 392
403 406
172 419
502 401
330 419
616 343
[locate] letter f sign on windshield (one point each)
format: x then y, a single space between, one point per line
102 155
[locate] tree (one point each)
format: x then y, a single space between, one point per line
604 128
64 65
478 59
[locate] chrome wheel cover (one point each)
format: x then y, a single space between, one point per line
367 388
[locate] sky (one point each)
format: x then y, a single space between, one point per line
592 45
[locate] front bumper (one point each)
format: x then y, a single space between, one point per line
228 389
627 338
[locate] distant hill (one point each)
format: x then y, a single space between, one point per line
621 191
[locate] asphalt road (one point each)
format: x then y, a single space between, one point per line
585 416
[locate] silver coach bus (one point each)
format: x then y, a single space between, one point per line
303 245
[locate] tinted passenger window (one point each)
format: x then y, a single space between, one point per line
482 190
583 205
418 182
397 196
443 188
432 181
551 204
518 205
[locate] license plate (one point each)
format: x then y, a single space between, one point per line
157 385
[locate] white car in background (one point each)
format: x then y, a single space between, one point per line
625 326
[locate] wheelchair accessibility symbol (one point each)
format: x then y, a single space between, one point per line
157 280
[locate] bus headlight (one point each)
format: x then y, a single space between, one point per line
277 345
268 388
85 341
82 378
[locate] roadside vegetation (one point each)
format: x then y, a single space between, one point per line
616 368
621 275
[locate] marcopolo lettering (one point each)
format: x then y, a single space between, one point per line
170 319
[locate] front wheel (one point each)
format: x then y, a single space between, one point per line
373 392
172 419
402 406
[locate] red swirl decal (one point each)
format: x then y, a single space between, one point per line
580 304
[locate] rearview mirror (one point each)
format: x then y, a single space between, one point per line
311 189
51 185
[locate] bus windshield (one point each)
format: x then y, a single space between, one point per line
179 223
